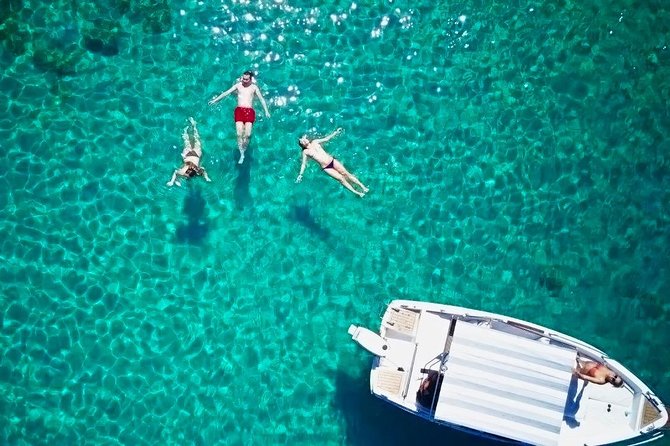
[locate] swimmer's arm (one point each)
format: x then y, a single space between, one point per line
265 106
174 179
302 167
204 174
329 137
181 171
223 95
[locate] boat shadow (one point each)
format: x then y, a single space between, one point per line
371 421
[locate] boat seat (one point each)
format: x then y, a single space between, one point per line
389 380
401 320
650 414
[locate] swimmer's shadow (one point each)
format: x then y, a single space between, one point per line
241 192
196 228
303 216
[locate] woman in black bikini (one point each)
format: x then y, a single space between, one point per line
191 156
314 150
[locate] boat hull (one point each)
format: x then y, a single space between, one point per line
639 440
505 379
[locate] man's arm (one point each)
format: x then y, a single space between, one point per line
265 106
222 95
329 137
302 167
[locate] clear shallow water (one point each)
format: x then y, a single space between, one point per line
518 162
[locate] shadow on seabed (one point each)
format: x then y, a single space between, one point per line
371 421
303 215
196 228
241 193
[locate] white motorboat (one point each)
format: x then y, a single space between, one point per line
503 378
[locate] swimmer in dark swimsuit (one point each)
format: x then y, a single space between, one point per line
191 156
597 373
331 165
314 150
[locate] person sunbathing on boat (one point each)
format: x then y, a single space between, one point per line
597 373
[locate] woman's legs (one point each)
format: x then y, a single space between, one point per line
356 181
339 177
344 172
197 145
187 142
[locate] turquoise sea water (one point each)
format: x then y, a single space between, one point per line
517 152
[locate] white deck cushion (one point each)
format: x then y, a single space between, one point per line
506 385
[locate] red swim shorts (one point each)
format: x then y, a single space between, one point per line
245 114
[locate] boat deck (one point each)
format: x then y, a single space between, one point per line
497 381
593 409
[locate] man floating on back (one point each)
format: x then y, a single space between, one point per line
245 115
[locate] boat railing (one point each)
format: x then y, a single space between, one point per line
555 337
409 372
449 340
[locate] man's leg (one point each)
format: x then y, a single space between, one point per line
239 127
243 142
247 131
